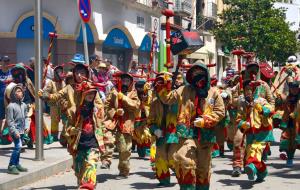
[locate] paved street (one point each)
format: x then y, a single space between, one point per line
142 177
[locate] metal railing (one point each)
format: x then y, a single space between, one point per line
212 10
183 8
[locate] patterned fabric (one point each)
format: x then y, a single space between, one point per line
212 107
75 99
194 169
259 118
290 136
109 143
185 166
55 107
141 133
238 150
203 165
85 167
130 105
55 119
254 153
124 144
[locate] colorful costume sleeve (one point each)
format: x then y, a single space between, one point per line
170 97
131 103
109 105
269 97
99 106
217 113
67 91
49 87
153 119
58 95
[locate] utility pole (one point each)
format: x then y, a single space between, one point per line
38 18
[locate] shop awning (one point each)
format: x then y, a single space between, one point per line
89 33
146 44
26 28
117 38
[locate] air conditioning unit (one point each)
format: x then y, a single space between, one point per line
159 4
183 8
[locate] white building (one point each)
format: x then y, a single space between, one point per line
118 29
292 8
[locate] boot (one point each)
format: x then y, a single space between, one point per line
289 163
13 170
21 168
237 171
105 165
261 176
121 176
251 171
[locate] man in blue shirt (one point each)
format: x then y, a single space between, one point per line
5 78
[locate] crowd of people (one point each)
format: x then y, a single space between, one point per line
180 126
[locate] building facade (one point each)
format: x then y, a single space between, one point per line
118 29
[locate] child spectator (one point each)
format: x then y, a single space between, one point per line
18 124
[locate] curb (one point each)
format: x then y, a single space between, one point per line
37 175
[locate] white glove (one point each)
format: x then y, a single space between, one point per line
224 95
158 133
199 122
120 112
260 101
242 98
246 126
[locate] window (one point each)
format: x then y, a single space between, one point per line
140 22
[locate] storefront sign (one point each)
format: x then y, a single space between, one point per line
117 38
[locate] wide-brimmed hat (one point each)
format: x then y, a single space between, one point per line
78 58
266 70
102 65
126 75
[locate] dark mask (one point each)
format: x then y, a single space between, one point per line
293 99
19 78
124 88
87 109
142 96
58 75
248 99
199 82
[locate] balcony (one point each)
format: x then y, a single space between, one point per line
161 4
183 8
212 10
145 2
205 24
153 7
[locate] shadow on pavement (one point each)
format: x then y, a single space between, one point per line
283 166
150 174
3 170
101 178
142 185
242 183
223 172
57 187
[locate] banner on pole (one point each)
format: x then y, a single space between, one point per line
85 10
155 25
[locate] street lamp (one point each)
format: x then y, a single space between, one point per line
239 51
168 12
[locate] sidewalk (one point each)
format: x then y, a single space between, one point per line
57 160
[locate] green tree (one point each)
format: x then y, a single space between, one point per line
261 28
